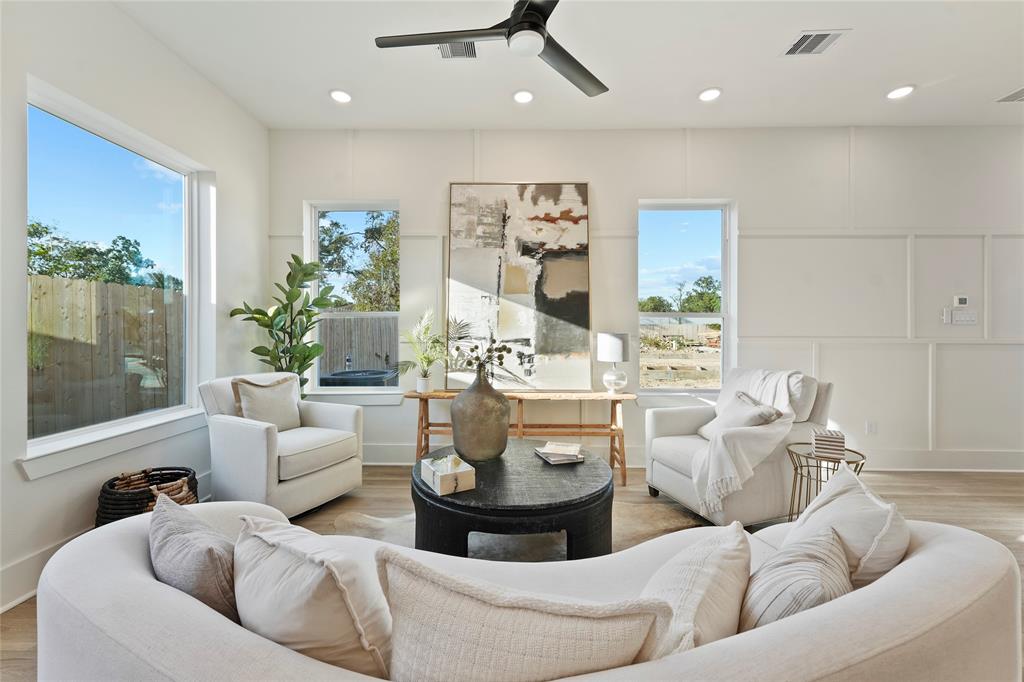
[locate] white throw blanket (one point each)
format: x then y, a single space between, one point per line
729 459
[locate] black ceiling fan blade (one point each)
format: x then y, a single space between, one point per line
542 7
564 63
497 32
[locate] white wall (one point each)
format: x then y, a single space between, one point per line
852 240
95 53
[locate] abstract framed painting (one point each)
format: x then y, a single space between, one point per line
519 272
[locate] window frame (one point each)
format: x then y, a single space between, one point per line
96 441
728 312
377 395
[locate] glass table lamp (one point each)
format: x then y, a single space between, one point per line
613 348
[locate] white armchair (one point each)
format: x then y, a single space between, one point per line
293 470
672 440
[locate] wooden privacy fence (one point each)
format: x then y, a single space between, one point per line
100 351
370 339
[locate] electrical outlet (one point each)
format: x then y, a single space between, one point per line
871 427
965 317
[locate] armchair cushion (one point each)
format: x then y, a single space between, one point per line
676 452
275 401
307 449
743 411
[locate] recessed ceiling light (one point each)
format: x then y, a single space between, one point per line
523 96
709 95
901 92
341 96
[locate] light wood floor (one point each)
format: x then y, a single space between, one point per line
991 504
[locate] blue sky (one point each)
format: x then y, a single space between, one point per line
94 190
354 221
677 246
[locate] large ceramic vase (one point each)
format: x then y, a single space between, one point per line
480 421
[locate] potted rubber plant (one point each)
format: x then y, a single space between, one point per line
289 322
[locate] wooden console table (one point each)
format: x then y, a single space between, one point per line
612 429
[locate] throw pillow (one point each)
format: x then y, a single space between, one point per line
874 535
276 402
191 556
704 585
799 576
301 590
743 411
448 627
803 390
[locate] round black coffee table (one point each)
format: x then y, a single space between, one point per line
516 494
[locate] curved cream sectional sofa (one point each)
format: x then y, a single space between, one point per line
950 611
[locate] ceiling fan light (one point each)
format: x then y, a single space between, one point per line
900 92
523 96
340 96
526 43
709 95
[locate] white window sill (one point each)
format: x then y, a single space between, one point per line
358 395
60 452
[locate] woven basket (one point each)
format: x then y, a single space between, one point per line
130 494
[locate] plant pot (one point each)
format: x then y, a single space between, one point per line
423 384
480 420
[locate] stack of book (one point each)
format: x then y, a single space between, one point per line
828 444
560 453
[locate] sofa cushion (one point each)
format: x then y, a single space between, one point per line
676 452
190 555
450 627
704 584
743 411
798 577
274 400
874 534
303 591
307 449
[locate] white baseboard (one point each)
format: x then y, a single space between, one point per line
20 577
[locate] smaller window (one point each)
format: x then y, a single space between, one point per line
680 266
359 252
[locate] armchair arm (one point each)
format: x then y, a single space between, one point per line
676 421
333 416
243 457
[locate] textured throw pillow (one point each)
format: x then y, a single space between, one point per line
743 411
704 584
301 590
874 535
191 556
798 577
450 627
276 402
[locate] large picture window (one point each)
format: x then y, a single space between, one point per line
680 275
359 252
106 280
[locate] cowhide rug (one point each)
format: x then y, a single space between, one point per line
631 524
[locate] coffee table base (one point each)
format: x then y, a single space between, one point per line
444 529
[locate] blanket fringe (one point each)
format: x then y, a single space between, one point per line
717 491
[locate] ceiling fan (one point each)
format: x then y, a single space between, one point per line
527 35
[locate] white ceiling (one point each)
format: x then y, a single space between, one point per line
280 59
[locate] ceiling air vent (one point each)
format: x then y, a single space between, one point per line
1014 97
814 42
457 50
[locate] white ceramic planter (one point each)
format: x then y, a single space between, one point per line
423 384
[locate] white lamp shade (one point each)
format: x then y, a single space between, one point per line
612 347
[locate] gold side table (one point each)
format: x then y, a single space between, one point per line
811 472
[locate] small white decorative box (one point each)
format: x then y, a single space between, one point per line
830 444
447 475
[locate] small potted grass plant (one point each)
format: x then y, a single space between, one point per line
429 347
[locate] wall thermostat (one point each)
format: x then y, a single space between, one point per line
960 301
